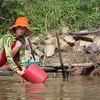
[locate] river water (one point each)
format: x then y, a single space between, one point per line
73 88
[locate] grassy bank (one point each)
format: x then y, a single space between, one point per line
48 15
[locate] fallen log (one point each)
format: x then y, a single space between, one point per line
48 68
51 68
4 72
86 65
85 33
79 37
73 65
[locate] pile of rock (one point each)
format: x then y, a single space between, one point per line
75 48
48 46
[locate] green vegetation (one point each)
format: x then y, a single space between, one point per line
45 15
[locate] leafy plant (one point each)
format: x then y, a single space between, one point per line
46 15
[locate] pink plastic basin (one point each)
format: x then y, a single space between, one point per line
35 74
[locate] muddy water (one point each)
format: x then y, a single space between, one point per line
75 88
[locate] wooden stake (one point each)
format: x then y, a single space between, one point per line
61 61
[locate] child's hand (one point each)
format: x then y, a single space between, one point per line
20 72
23 68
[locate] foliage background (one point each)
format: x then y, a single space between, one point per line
46 15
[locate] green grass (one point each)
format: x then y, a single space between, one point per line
46 15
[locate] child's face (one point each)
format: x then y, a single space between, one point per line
20 31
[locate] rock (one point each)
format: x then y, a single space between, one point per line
83 45
28 55
69 39
34 39
41 48
93 48
63 45
39 53
49 41
49 50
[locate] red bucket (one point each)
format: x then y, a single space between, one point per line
35 74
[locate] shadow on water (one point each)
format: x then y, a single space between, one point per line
75 88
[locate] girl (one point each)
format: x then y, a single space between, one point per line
12 46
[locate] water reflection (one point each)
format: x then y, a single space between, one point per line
34 88
11 89
21 92
35 91
76 88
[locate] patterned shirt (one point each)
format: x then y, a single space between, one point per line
6 42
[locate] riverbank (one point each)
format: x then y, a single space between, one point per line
76 50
